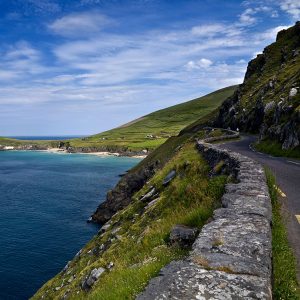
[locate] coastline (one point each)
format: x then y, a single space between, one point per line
100 153
64 151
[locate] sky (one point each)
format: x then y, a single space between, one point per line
82 67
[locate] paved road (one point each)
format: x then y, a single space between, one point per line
287 172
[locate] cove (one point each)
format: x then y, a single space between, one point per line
45 200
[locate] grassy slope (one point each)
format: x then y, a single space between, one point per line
284 75
189 199
137 240
285 285
9 142
14 142
274 148
162 124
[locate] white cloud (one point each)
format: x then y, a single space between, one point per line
20 60
291 7
207 30
118 69
270 34
255 54
6 75
251 15
79 24
102 71
247 18
212 30
203 63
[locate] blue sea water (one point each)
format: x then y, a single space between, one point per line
53 138
45 200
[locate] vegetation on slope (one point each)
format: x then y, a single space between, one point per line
9 142
285 284
274 148
121 195
136 241
268 101
26 143
152 130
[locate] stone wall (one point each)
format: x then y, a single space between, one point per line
231 257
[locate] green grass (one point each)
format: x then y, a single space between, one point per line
16 143
161 125
9 142
274 148
141 248
285 284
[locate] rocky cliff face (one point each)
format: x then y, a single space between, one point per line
120 196
268 101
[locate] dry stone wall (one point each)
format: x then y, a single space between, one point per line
231 257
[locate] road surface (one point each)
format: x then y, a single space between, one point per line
287 173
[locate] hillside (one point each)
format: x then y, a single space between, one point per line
133 246
175 185
154 129
145 133
268 101
26 144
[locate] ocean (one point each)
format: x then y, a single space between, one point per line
54 137
45 200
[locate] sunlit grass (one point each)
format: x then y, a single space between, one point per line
285 284
141 245
274 148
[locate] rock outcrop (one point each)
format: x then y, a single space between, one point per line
120 196
231 257
268 101
183 236
92 278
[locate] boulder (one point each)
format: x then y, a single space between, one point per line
66 267
92 278
149 195
169 177
183 236
293 92
78 253
151 203
104 228
110 265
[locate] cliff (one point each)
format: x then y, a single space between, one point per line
268 101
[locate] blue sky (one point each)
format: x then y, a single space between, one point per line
81 67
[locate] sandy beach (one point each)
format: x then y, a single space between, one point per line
63 151
103 153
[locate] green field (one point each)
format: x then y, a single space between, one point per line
152 130
16 143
